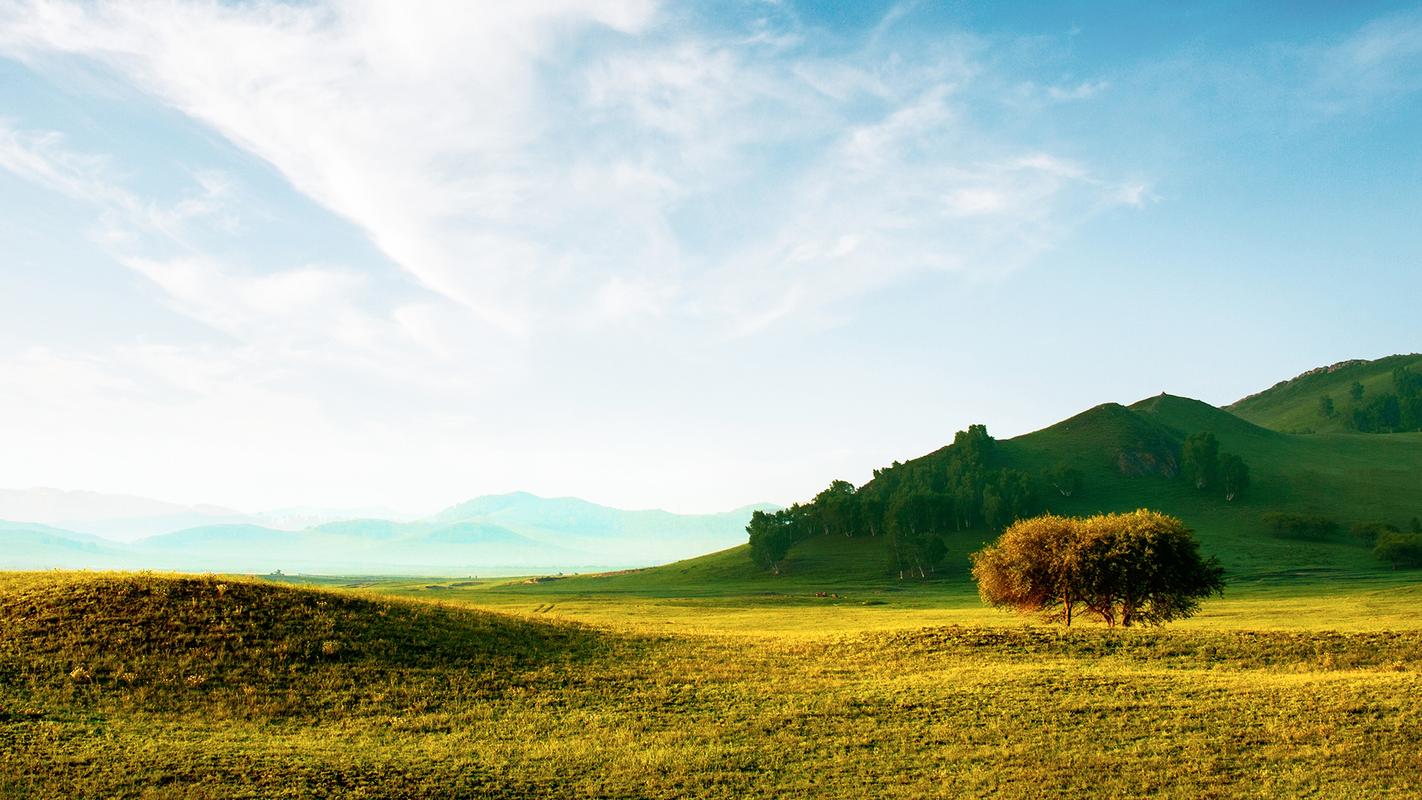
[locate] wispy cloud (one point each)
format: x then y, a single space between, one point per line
554 162
1080 91
1379 61
279 318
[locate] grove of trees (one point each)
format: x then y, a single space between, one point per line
1140 568
1204 465
912 506
1390 544
1388 412
1399 549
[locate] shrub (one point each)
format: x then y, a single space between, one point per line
1370 532
1400 549
1301 526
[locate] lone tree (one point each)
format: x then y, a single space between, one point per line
1138 568
770 539
1065 479
1234 474
1201 459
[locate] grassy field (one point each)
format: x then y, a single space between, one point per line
160 686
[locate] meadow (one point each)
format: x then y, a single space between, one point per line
166 686
714 677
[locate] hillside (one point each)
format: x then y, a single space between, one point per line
1292 406
1128 457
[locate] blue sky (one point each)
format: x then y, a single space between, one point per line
673 255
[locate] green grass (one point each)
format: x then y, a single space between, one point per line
511 689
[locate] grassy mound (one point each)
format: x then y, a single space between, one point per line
161 641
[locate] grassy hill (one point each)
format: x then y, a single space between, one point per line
1129 458
1293 405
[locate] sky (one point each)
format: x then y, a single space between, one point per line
676 255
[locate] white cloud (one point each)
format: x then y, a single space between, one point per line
1081 91
523 182
44 158
1383 59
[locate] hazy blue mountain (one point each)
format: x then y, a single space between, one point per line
112 516
510 533
217 536
476 533
376 529
7 527
130 518
643 536
27 545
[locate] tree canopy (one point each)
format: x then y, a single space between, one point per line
1125 569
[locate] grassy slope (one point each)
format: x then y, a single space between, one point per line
163 687
1292 405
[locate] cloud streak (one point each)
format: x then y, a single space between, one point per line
564 162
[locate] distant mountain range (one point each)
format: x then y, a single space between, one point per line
489 535
129 518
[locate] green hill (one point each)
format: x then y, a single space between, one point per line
1292 406
1128 457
